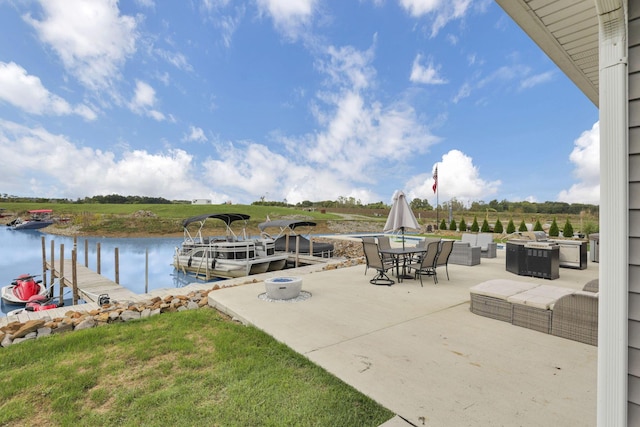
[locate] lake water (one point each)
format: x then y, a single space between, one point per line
21 252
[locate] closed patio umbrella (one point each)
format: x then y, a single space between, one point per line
401 216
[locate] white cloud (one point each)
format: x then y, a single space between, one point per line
425 74
586 158
195 134
146 3
27 92
66 170
441 12
91 38
289 17
457 177
144 99
537 79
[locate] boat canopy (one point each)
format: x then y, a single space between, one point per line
37 211
228 218
283 224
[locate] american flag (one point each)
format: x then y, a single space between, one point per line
435 180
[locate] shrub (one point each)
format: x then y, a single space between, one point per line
538 226
498 228
589 227
523 226
568 229
485 226
475 227
463 225
511 227
554 231
443 225
453 226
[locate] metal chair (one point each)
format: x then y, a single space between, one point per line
385 243
374 260
442 259
426 265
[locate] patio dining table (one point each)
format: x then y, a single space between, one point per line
403 254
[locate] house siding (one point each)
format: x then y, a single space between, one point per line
633 407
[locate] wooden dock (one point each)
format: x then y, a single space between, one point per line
90 285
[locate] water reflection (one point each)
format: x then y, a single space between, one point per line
21 252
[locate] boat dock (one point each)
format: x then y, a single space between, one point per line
89 284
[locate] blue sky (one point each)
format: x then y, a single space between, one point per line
314 100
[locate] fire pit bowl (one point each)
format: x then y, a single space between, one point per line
283 287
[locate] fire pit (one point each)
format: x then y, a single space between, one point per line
283 288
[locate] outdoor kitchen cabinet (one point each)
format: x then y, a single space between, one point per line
573 253
533 259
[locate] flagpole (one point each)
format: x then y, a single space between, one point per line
436 189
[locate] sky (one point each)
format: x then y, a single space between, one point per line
279 100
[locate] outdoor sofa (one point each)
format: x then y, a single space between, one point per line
465 254
488 248
555 310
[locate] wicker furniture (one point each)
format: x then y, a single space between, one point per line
554 310
488 247
489 298
575 316
465 254
533 308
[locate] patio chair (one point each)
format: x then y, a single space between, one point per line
385 243
442 259
374 260
426 265
368 239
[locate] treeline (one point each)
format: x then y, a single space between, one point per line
109 199
522 207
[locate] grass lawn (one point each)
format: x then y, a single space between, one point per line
191 368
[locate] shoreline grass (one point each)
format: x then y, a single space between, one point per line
187 368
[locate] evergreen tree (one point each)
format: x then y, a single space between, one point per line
511 227
463 225
523 226
475 227
443 225
485 226
453 226
538 226
498 228
568 229
554 231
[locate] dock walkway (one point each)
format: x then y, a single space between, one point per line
90 283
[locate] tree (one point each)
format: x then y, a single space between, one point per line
511 227
538 226
443 225
420 204
463 225
522 227
568 229
554 231
475 227
485 226
498 228
453 226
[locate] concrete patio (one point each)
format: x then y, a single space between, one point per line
421 353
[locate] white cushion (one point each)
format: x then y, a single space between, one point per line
543 296
501 288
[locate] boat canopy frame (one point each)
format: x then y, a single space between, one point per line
227 218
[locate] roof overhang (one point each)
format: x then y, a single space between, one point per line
567 31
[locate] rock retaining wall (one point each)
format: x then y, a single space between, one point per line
122 311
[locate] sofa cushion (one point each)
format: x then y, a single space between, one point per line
543 296
501 288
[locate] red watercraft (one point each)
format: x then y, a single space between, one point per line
22 289
36 303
